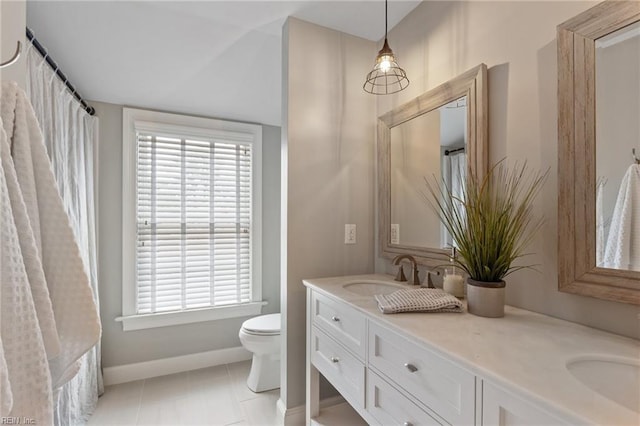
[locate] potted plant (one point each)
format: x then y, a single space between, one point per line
491 225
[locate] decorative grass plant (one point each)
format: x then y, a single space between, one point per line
494 222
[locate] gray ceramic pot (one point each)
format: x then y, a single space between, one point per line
485 299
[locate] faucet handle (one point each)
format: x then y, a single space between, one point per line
429 281
400 275
416 277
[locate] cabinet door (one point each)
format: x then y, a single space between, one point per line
503 408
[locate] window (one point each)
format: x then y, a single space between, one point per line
191 219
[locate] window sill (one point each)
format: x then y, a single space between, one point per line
165 319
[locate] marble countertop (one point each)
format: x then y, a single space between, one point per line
524 352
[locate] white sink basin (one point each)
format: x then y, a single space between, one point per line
617 379
371 288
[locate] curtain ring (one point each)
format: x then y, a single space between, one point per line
44 58
53 75
66 88
30 46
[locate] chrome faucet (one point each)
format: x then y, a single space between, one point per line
414 265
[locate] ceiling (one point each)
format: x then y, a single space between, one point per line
212 58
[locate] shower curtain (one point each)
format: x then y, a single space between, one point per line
71 137
454 172
601 230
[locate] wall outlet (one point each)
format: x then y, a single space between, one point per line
395 233
350 233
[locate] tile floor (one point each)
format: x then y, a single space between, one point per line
211 396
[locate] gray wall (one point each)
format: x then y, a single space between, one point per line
517 41
327 174
120 347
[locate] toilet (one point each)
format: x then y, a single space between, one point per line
261 336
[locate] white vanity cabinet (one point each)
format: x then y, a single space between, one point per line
385 377
456 369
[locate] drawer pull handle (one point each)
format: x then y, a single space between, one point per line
335 319
334 359
408 424
411 367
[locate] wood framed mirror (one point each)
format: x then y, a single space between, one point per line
443 132
598 86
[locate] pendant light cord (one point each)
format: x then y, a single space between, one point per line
386 19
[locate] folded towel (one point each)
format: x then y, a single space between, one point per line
418 300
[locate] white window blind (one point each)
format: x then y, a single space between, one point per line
194 216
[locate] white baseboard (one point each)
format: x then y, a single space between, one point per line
177 364
295 416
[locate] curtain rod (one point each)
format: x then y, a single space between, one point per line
54 66
453 151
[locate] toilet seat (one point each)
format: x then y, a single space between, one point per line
264 325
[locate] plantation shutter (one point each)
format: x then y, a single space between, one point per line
193 223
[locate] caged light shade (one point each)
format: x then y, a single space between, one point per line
386 77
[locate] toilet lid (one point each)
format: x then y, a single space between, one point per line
264 324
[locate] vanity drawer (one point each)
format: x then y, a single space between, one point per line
387 405
341 322
441 385
339 366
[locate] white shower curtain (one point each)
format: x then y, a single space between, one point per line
600 221
71 137
454 173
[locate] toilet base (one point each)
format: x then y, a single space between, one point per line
265 373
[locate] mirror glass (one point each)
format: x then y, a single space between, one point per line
617 136
431 144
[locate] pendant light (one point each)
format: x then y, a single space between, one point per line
386 77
